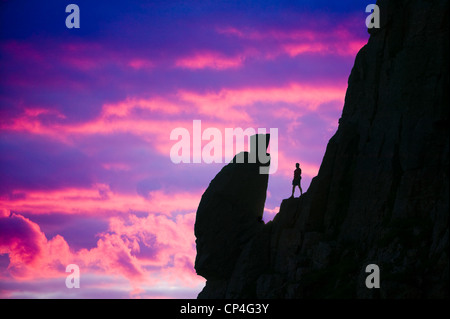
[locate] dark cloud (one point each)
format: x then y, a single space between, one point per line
20 238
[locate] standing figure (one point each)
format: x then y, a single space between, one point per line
297 179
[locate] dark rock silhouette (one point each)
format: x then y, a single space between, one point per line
230 213
381 195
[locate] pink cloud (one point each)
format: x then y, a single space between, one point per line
116 255
226 106
20 238
84 56
233 104
29 124
113 256
337 41
35 112
138 63
22 50
91 55
123 108
116 166
163 235
293 42
229 30
269 213
31 255
100 200
349 49
211 60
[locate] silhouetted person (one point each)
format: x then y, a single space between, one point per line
297 179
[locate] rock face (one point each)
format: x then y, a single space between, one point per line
381 195
230 213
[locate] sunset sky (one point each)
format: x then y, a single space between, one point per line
86 114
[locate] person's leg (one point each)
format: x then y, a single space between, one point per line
293 190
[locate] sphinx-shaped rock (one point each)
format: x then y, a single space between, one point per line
230 213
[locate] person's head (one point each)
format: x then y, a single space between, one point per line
297 165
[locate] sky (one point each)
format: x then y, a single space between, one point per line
86 115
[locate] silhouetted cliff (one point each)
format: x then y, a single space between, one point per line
230 213
382 192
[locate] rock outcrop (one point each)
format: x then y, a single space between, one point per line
381 195
230 212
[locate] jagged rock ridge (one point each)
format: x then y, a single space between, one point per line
382 192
